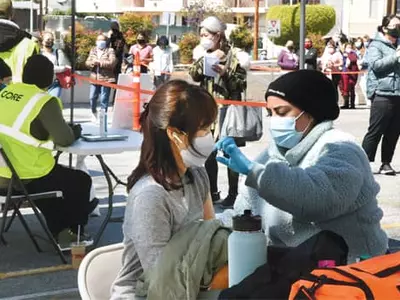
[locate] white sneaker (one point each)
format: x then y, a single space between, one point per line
94 118
67 238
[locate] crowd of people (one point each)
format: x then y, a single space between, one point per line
175 181
373 64
342 60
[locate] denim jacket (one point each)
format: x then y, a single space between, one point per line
383 68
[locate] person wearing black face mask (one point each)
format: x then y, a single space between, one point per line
383 88
144 50
58 58
117 41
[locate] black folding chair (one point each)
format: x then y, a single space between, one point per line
12 200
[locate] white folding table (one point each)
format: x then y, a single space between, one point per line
83 148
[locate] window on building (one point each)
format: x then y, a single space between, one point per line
185 22
374 8
249 21
398 7
155 19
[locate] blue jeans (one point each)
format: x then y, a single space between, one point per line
95 92
55 89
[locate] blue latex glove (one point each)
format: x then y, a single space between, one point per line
236 160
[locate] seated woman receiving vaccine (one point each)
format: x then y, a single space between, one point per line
169 188
311 176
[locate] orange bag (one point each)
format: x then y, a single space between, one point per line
376 278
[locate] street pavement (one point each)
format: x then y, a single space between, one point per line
20 254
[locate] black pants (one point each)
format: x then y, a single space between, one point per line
212 171
384 120
71 210
336 80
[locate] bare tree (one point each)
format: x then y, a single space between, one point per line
198 10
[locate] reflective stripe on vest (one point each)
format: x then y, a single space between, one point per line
17 56
24 138
19 68
14 131
27 110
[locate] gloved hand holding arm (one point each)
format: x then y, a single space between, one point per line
236 160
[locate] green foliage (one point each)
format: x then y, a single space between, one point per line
132 23
319 20
241 37
85 40
186 45
198 10
318 42
59 12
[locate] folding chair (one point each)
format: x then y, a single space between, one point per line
13 201
98 270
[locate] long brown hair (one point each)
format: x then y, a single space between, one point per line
178 104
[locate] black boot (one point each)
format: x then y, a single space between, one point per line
228 202
215 197
233 181
346 102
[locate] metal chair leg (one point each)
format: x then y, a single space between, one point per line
27 229
5 212
10 221
110 201
48 233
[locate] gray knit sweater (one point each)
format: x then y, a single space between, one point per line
323 183
152 216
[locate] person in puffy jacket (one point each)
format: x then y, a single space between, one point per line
310 176
383 88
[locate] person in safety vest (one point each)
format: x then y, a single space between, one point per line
16 45
28 131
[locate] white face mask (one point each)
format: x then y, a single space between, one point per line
206 43
203 145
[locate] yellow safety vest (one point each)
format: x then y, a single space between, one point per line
16 57
20 104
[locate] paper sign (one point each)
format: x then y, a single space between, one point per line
274 28
209 61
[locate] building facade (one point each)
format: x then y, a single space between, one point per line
353 17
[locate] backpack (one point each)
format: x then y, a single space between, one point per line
376 278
